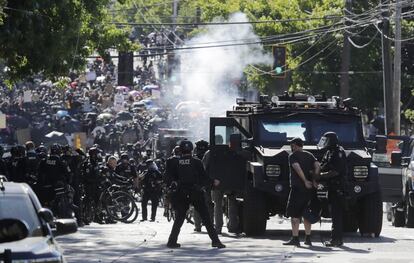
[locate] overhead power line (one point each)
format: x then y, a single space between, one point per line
333 17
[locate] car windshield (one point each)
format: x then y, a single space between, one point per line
20 207
277 131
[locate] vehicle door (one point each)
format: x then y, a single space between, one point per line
228 164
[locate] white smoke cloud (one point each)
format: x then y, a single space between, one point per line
207 74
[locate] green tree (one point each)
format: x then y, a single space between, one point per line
54 37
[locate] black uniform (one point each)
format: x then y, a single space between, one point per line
32 161
17 170
91 179
191 178
151 186
126 170
52 174
334 161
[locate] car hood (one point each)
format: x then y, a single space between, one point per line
32 248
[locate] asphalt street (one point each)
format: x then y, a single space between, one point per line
146 242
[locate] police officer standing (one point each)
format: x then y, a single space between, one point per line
151 185
91 176
199 151
17 165
3 165
52 173
187 176
333 171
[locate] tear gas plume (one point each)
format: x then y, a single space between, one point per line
208 75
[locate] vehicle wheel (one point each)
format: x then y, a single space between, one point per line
254 212
350 222
119 205
398 217
409 215
370 219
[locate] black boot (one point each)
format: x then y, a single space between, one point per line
294 241
334 243
308 241
173 245
218 244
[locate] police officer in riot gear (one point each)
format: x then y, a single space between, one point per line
333 171
151 185
91 175
125 169
17 167
3 165
187 176
199 151
32 160
52 173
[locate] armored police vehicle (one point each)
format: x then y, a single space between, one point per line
250 149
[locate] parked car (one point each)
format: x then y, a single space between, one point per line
28 231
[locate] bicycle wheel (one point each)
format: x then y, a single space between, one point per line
133 216
119 205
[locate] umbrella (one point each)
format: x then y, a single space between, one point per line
71 126
62 113
98 128
17 121
91 115
100 79
138 104
187 105
105 116
150 87
122 88
134 93
124 116
55 137
148 103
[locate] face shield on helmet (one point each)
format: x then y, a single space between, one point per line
328 140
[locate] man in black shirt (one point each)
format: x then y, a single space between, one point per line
302 165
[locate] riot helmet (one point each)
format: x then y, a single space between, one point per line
124 156
55 149
29 146
176 151
93 153
328 141
14 152
186 146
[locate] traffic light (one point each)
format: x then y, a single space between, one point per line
279 61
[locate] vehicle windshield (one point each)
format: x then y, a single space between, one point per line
20 207
278 131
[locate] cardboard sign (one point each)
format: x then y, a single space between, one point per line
27 96
23 135
119 102
155 94
2 121
79 140
91 76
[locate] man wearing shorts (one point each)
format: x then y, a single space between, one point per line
302 165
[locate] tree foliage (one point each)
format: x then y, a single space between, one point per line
54 37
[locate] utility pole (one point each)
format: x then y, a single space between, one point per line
345 57
397 69
387 72
175 13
